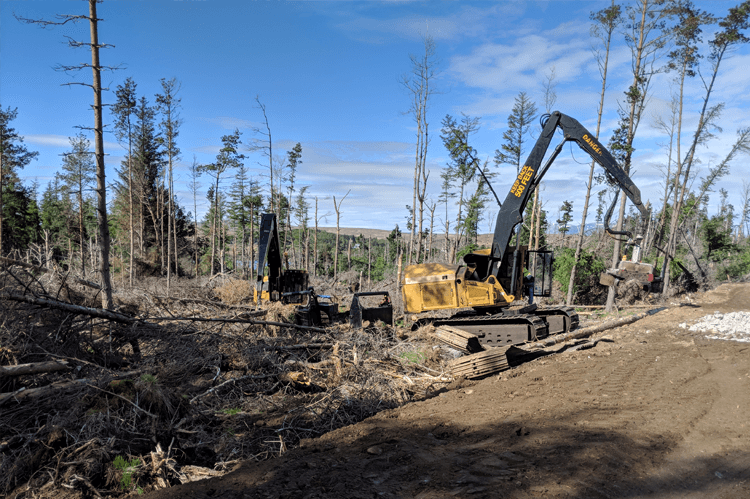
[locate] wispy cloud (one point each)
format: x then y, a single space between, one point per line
49 140
468 22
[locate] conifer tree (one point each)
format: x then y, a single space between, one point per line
519 122
229 157
123 109
13 156
78 175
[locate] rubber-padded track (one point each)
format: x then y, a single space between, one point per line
537 326
568 311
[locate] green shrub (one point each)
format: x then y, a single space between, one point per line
738 267
127 468
412 357
589 265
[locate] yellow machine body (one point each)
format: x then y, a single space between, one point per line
263 294
437 286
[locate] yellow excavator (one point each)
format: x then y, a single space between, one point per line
491 280
278 284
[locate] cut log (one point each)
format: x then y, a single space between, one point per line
588 331
458 339
35 393
69 307
35 368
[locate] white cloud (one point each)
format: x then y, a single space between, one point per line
468 22
50 140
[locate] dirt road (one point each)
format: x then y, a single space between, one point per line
652 411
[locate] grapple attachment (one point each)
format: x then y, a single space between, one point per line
358 312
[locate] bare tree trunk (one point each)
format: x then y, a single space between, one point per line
130 201
80 228
169 227
349 256
101 183
533 218
369 262
216 225
582 232
428 253
640 52
337 207
174 224
315 248
252 241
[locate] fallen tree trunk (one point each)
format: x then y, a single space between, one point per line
69 307
35 368
10 261
35 393
588 331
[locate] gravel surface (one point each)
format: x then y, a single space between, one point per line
734 326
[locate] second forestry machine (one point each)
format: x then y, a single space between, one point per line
491 279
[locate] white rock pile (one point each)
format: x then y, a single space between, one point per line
734 326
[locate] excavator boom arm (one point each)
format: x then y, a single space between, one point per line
511 212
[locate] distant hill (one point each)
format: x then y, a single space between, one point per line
484 239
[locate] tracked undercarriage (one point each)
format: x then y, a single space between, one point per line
510 326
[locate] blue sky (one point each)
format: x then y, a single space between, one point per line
328 74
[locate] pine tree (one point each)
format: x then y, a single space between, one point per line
302 214
13 156
565 217
148 165
78 175
228 157
238 210
57 220
294 159
463 160
519 121
123 110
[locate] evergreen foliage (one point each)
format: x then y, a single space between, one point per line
588 269
519 122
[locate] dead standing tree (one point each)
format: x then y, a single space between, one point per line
418 84
265 144
337 207
731 34
168 105
96 86
604 24
646 35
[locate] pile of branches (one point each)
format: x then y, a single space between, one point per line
171 390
